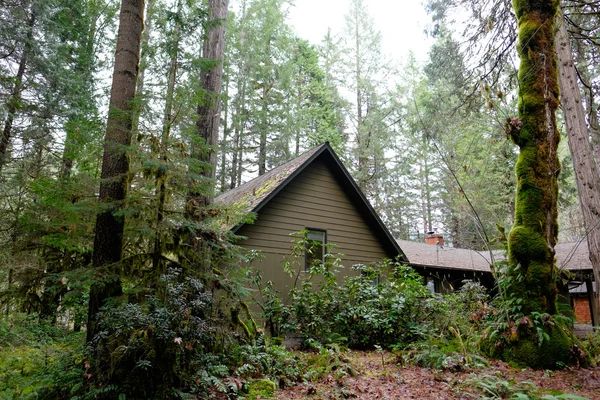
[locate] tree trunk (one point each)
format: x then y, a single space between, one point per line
139 89
15 98
262 145
161 173
108 240
587 176
533 236
209 110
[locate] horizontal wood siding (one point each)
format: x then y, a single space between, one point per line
314 199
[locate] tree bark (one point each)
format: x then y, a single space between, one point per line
108 240
587 176
209 110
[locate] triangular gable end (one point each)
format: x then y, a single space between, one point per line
260 192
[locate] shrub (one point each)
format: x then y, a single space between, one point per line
381 305
158 342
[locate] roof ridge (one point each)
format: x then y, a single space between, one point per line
272 171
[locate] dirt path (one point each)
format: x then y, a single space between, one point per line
391 381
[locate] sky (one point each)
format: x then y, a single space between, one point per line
401 23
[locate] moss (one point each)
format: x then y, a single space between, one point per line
528 28
551 354
261 388
525 244
535 229
492 348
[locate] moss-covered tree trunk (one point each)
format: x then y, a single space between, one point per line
532 239
534 233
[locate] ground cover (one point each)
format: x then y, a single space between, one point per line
391 380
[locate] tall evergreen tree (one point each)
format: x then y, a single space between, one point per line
209 109
365 72
108 241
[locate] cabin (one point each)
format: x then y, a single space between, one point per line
445 268
313 193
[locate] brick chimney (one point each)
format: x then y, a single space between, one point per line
434 238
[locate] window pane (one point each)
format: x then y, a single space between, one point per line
315 248
316 235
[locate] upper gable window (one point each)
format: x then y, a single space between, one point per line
314 249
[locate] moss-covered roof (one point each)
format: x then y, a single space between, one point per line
251 195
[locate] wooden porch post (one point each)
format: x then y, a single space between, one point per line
591 300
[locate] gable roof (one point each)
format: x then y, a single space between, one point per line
255 194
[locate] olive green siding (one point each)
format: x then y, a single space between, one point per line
313 199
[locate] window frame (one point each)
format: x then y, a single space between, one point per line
324 246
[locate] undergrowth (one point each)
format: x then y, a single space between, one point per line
39 360
495 386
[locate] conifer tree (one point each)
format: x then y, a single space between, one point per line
110 224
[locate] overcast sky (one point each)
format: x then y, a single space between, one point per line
401 23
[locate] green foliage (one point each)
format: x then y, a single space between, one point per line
516 333
380 304
260 359
591 344
491 387
39 360
451 332
327 359
158 341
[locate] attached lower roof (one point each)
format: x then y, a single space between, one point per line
572 256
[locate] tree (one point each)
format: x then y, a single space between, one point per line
534 233
587 175
365 72
14 101
108 240
209 108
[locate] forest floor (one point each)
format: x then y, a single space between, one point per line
388 380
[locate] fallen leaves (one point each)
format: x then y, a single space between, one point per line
379 381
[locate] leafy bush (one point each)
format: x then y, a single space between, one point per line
450 331
158 342
381 304
591 344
